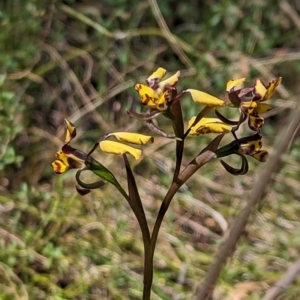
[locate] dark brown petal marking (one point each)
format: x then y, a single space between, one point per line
255 122
234 98
264 156
73 163
57 166
67 149
247 150
251 149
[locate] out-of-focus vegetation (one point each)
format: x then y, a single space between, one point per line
81 59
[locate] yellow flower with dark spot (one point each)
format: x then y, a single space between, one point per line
208 125
250 146
253 107
70 158
157 94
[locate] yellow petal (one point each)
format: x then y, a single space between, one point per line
208 125
59 167
259 90
251 147
271 88
148 96
61 164
156 76
163 100
233 83
61 156
261 155
169 82
248 106
118 148
191 121
262 108
204 98
71 131
255 122
133 138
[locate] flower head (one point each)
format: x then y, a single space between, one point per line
250 99
68 158
71 158
157 94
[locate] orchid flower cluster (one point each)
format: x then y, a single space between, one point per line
163 99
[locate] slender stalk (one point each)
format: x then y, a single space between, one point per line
148 268
148 273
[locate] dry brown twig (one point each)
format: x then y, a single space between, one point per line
287 279
227 248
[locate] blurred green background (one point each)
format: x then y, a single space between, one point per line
80 59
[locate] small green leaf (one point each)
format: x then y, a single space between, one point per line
101 171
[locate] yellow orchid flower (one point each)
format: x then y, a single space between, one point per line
250 145
65 162
254 107
68 158
253 147
157 94
152 98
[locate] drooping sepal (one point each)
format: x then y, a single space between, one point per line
84 188
234 171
